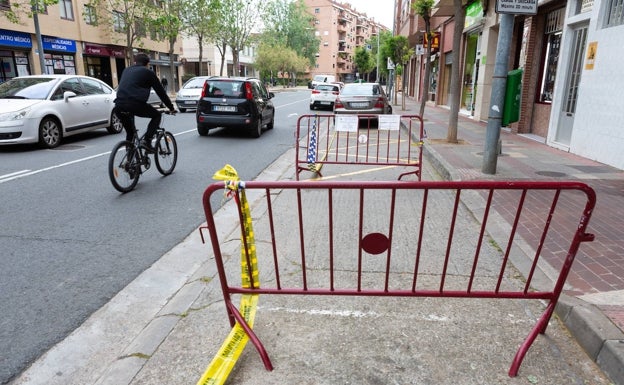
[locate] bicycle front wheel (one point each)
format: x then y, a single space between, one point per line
166 155
124 167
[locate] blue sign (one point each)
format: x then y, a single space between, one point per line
57 44
15 39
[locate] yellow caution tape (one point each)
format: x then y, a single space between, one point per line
231 349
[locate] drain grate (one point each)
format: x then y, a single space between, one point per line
552 174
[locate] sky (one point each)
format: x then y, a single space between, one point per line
381 10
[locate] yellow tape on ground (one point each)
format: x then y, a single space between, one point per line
231 349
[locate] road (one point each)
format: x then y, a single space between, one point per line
70 242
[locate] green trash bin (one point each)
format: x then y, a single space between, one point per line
511 108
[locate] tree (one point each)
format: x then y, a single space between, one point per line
168 20
423 9
363 61
127 18
25 8
377 43
238 19
200 21
397 49
287 23
274 59
455 87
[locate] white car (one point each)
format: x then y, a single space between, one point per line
324 95
46 108
190 92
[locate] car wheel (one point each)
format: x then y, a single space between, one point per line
272 122
50 132
256 129
202 130
116 127
182 109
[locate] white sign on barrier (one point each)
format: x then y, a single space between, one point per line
347 123
517 7
389 122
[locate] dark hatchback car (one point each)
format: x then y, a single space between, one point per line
235 103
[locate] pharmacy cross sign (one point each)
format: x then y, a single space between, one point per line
517 7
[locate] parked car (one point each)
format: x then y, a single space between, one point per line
324 95
362 98
190 92
235 102
46 108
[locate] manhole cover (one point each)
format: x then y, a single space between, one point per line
552 174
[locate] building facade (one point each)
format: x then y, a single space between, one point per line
570 54
75 39
341 29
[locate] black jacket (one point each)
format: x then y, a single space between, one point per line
135 85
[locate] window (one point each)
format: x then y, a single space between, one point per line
139 28
67 12
90 15
614 13
5 5
552 44
119 25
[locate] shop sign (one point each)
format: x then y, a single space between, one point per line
474 14
435 41
517 7
57 44
15 39
97 50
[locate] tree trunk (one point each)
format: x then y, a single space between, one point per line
427 77
235 62
172 69
222 50
200 41
455 91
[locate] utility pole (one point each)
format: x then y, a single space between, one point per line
499 81
35 9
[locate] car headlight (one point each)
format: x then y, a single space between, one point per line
14 115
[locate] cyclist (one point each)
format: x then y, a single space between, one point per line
132 94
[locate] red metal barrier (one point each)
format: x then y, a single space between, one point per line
401 240
327 139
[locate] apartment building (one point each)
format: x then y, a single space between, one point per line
341 29
73 42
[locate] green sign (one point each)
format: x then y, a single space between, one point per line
474 14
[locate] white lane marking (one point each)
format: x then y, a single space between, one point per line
13 173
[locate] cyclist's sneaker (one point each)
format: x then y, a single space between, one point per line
147 144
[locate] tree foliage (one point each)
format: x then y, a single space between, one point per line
398 50
364 61
199 21
279 60
25 8
288 24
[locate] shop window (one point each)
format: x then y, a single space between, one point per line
90 15
67 12
552 46
614 14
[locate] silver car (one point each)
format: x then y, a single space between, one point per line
190 93
362 98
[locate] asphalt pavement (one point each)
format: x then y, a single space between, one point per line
166 326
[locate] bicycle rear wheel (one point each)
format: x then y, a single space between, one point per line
166 155
124 168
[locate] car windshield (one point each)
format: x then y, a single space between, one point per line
195 83
360 89
225 88
27 88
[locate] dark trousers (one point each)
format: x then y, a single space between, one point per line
142 110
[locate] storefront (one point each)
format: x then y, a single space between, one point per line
473 28
59 55
97 60
15 48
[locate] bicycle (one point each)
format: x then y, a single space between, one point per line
128 159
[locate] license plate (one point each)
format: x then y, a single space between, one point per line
359 105
224 108
325 102
193 102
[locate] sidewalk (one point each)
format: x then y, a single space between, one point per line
166 326
594 307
